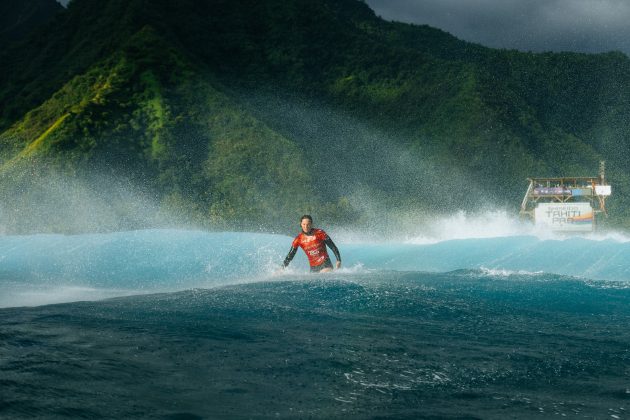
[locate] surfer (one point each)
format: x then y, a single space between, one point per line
313 241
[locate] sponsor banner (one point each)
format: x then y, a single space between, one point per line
602 189
568 217
552 191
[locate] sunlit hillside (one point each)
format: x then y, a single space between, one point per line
245 114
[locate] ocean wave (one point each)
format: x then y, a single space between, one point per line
169 260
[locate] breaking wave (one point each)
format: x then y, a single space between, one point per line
40 269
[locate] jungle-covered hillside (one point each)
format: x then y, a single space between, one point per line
244 114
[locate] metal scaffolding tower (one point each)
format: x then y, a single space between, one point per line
566 203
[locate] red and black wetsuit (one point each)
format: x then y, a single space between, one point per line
314 245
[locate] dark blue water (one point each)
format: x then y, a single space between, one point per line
476 328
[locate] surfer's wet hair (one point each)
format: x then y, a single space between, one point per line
306 216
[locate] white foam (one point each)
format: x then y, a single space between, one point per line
492 272
496 224
357 268
490 224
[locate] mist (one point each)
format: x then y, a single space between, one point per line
389 183
391 180
51 201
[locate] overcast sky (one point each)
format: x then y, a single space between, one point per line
528 25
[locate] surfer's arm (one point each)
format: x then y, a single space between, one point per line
290 256
334 248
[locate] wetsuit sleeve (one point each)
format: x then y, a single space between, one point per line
332 246
290 255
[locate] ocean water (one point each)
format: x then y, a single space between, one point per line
179 324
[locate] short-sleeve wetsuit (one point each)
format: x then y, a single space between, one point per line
314 245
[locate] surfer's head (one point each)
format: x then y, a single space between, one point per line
306 222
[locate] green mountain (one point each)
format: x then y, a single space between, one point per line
19 18
245 114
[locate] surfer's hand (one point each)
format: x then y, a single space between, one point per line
338 264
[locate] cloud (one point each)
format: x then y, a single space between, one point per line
528 25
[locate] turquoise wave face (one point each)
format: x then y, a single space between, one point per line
55 268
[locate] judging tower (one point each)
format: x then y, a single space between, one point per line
567 204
